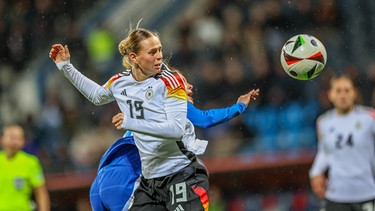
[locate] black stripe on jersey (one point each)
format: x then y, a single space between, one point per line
190 155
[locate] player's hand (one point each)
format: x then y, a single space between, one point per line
59 53
246 98
318 185
117 120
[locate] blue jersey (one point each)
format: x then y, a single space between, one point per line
118 174
117 149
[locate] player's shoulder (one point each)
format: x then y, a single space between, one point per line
326 115
117 77
27 155
365 110
27 158
171 79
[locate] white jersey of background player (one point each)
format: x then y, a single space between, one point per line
346 149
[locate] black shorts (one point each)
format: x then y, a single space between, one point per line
183 190
360 206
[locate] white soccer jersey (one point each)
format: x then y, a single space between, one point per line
155 110
347 150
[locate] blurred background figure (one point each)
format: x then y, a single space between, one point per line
21 174
346 151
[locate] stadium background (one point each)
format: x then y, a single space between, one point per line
258 161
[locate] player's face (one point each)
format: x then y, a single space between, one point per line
189 89
12 140
149 59
342 95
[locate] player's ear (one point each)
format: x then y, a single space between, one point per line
330 95
133 57
356 92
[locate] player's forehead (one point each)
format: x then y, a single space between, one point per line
342 82
13 130
151 43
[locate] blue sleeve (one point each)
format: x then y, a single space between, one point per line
212 117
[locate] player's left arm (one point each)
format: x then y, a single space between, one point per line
212 117
175 108
42 198
173 127
38 184
372 114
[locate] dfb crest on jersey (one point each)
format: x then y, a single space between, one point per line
358 125
149 93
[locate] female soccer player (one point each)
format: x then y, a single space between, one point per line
153 101
120 166
346 149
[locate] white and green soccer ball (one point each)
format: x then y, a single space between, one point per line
303 57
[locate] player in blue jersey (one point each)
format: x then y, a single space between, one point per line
120 167
346 150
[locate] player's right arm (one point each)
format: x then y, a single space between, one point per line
318 179
174 103
95 93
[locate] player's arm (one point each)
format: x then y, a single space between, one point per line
318 179
37 181
95 93
212 117
174 107
42 198
173 127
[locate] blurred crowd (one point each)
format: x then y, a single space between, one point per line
227 48
224 48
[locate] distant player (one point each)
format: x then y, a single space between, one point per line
346 150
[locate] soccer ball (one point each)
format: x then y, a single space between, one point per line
303 57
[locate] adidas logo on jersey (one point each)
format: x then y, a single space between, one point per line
179 208
124 92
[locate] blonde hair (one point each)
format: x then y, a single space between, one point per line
132 43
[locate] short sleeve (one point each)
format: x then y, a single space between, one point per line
36 173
